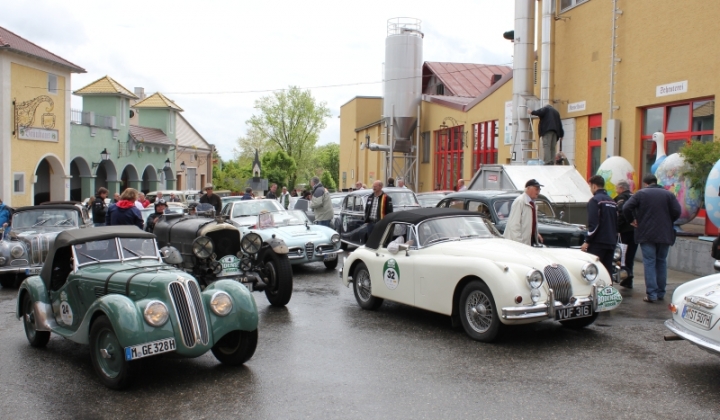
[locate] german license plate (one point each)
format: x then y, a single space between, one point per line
32 271
697 316
330 257
573 312
149 349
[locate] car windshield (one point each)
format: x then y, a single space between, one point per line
282 218
337 201
502 208
453 228
403 198
254 207
45 217
429 200
96 251
138 248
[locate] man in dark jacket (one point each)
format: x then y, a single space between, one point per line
626 231
160 206
551 131
653 211
99 208
602 224
272 193
248 194
125 212
377 207
211 198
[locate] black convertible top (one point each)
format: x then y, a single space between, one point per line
78 236
53 206
414 217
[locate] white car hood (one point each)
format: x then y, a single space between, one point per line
498 250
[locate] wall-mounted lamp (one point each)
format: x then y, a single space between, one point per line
168 164
104 155
182 166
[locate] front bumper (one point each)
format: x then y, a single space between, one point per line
317 256
20 269
546 309
707 344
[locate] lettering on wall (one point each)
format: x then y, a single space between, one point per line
671 88
25 120
576 106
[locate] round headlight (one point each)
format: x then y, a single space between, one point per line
535 295
617 255
251 243
3 260
156 313
17 251
534 279
202 247
335 238
221 304
589 272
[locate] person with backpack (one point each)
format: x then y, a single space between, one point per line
601 237
626 232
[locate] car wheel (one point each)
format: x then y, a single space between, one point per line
108 356
236 347
332 264
279 272
578 323
363 288
478 313
35 337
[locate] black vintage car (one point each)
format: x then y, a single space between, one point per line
351 225
211 248
495 205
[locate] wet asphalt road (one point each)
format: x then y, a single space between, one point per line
324 357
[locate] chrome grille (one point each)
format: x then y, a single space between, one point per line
558 279
309 249
39 247
199 312
15 263
182 310
325 248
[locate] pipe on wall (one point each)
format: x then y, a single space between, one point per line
545 50
523 59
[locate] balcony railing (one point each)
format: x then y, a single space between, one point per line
92 119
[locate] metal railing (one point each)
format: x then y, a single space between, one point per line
90 118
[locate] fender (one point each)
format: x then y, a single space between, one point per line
37 290
244 315
125 317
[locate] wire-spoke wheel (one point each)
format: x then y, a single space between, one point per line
478 313
362 286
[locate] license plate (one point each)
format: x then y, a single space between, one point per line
697 316
149 349
330 257
32 271
573 312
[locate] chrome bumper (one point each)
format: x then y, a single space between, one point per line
295 256
711 346
546 310
17 270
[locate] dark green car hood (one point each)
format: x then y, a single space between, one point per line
135 278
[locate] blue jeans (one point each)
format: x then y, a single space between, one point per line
323 222
655 262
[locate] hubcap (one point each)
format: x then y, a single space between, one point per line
478 311
110 362
29 320
363 285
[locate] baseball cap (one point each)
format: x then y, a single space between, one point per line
533 183
160 202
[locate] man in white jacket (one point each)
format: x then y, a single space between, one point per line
522 220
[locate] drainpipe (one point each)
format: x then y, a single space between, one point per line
523 59
545 53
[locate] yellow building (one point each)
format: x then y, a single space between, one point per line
664 79
34 122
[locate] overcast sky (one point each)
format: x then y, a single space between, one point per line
215 58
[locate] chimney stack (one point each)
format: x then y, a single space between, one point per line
140 92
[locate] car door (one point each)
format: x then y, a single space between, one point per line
65 296
392 275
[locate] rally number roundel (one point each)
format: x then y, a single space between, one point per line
391 274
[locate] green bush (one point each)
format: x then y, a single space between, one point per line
699 157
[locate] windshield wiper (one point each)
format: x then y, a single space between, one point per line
42 222
87 256
131 251
469 236
62 222
436 240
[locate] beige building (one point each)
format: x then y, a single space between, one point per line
193 159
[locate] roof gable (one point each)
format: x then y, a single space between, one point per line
463 79
188 136
149 135
157 100
10 41
105 86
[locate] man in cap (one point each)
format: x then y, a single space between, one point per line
211 198
522 220
160 207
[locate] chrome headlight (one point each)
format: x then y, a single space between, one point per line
17 251
589 272
221 303
156 313
3 260
534 279
335 238
535 295
251 243
202 247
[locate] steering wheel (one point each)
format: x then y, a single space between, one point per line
431 237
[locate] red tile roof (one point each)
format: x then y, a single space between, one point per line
463 79
12 42
149 135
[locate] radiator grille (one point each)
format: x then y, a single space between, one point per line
559 280
199 312
21 262
182 310
39 247
309 250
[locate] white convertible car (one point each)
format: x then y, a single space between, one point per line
695 313
455 263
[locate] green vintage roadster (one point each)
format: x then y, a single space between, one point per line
108 287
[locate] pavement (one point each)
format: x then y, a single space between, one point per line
324 357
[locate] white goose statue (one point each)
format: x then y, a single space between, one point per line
659 139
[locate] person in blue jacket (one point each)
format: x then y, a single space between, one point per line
4 218
601 238
124 211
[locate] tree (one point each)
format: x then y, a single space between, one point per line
292 120
251 141
278 167
231 176
327 180
699 157
328 157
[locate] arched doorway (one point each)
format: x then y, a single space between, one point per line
129 178
106 176
49 180
167 179
149 180
81 185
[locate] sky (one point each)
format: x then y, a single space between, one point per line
216 58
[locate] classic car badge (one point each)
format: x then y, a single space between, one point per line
66 314
391 274
608 298
230 265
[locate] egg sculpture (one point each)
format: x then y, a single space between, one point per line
669 176
615 169
712 194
